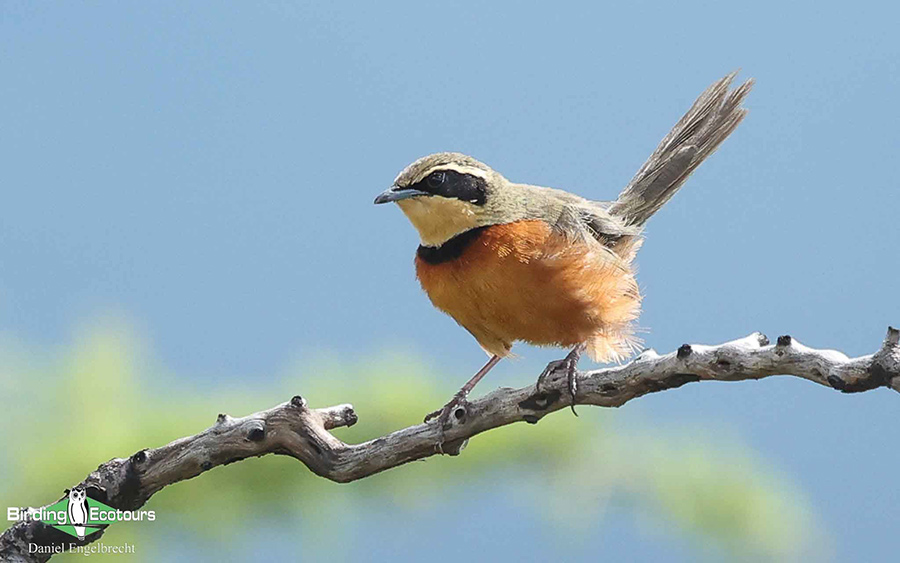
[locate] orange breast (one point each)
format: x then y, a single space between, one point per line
524 281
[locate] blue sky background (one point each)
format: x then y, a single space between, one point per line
207 172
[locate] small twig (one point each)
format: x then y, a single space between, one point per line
295 429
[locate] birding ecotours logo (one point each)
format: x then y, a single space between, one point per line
72 515
79 515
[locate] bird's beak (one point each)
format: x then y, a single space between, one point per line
395 193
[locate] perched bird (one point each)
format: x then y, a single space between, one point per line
515 262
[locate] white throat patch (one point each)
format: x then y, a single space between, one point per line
439 219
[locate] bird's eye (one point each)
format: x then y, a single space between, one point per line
435 179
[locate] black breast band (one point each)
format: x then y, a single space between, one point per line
450 250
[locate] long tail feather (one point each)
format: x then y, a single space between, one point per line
713 117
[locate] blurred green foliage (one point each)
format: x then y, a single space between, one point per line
65 411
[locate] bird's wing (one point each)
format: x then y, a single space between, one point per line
577 218
581 218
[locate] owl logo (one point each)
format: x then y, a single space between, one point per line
78 511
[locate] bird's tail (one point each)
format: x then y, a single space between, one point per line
697 135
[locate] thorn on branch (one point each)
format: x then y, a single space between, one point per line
762 338
683 351
892 340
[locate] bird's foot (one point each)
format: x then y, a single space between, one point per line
457 408
569 366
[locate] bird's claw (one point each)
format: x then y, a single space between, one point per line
569 366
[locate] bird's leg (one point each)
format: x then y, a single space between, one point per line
460 398
570 365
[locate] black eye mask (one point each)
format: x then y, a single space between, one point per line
450 183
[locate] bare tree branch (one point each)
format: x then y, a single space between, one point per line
295 429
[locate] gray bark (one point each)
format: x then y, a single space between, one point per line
297 430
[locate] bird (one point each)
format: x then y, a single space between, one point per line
513 262
78 511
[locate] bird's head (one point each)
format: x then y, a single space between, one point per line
445 194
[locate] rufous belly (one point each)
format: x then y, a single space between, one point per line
523 281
